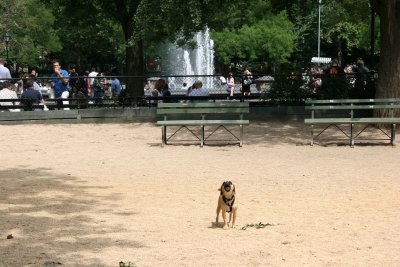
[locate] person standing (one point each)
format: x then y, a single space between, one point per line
98 88
91 76
246 82
5 74
60 83
115 86
230 82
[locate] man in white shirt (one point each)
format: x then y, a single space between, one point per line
5 74
7 93
92 75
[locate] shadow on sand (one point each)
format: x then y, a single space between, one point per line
44 213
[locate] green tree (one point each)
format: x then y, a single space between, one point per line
345 30
248 31
344 26
89 36
269 39
143 21
30 25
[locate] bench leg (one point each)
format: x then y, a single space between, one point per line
312 135
241 136
393 135
351 135
202 136
163 135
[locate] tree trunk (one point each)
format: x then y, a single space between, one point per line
134 69
389 66
339 50
134 63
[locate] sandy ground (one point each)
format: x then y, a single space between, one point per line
98 194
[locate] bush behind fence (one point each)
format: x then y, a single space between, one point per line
279 89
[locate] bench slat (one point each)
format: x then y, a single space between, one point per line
354 120
348 107
203 104
39 115
202 122
202 110
347 101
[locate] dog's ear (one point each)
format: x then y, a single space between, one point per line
220 189
234 191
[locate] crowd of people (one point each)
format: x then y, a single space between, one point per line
354 73
62 85
161 88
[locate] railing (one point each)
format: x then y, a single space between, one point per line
292 88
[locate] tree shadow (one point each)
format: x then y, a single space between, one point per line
295 132
45 213
276 132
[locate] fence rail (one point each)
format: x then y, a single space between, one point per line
292 88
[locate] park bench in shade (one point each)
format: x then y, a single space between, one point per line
339 112
202 114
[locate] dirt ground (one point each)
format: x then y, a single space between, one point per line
98 194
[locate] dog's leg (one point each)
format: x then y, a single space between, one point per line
230 217
234 217
224 218
218 210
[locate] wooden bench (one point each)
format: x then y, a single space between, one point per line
350 112
198 114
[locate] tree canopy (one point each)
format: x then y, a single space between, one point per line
99 32
269 39
31 27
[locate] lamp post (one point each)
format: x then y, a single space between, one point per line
6 39
319 29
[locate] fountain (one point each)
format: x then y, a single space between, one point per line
177 61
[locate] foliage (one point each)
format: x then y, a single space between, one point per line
334 87
249 31
269 39
87 40
30 25
343 33
349 27
287 89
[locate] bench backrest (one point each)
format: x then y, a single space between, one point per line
355 101
353 104
203 108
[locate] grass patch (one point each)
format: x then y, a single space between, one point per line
128 264
257 225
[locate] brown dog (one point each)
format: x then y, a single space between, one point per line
227 203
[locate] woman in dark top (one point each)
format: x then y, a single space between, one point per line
246 82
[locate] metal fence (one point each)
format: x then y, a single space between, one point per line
264 88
